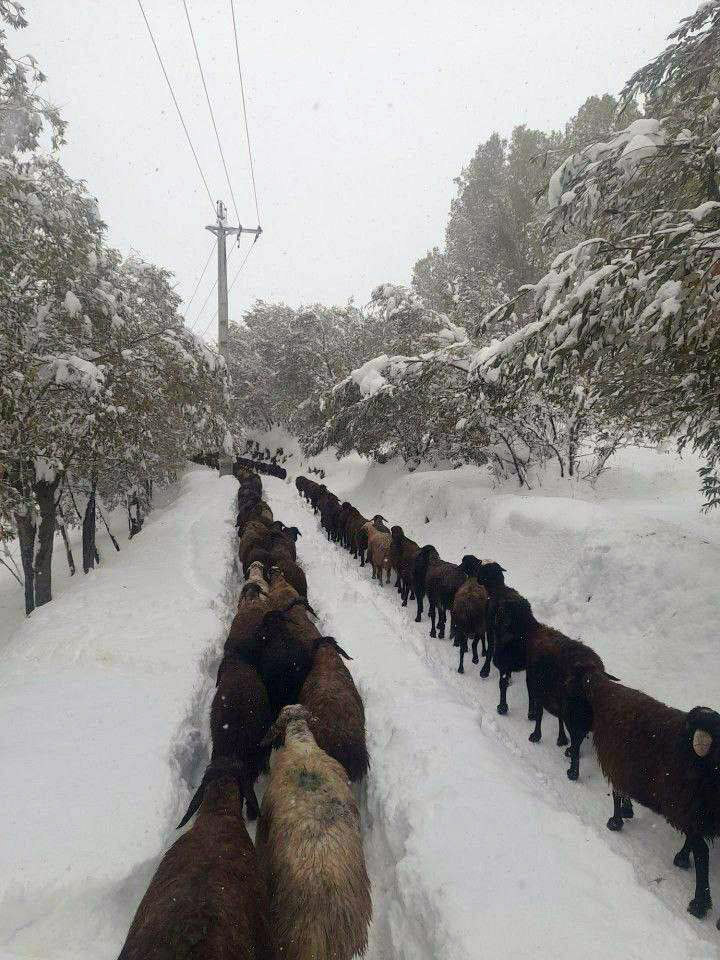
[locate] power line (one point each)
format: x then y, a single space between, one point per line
177 105
232 283
197 285
212 113
244 106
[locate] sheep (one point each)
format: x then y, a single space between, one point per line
310 848
317 492
256 574
379 545
366 531
508 645
329 506
665 759
355 523
554 663
281 597
491 576
208 898
254 603
438 579
293 573
337 713
240 718
469 610
402 558
283 654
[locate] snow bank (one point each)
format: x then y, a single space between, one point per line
476 840
103 694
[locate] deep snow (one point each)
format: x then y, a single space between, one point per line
104 695
476 842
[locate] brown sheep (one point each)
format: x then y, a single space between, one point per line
208 897
469 610
379 554
376 525
403 551
240 718
310 848
337 714
438 579
355 523
665 759
252 607
292 571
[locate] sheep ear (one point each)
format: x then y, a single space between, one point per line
702 742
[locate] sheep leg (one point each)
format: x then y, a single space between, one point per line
502 707
627 808
485 669
484 645
431 611
562 739
576 738
418 618
701 902
461 640
478 637
616 821
682 857
404 593
441 622
537 708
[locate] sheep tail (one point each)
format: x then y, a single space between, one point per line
299 602
332 642
194 803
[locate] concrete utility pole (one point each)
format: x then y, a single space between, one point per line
221 230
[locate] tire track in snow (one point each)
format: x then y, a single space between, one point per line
428 893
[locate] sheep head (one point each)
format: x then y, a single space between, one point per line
703 734
292 723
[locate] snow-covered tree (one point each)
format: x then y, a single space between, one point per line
101 384
631 312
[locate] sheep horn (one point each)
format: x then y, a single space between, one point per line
702 742
611 677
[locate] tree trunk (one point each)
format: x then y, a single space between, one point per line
26 529
88 534
45 493
68 552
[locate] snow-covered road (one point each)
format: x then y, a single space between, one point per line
476 842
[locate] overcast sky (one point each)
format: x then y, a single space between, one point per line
360 114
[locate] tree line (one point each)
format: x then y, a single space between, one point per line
103 391
571 311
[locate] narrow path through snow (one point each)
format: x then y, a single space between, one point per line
476 842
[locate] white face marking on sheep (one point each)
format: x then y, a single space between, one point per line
702 743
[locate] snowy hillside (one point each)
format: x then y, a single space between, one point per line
475 840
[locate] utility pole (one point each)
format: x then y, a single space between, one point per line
222 230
